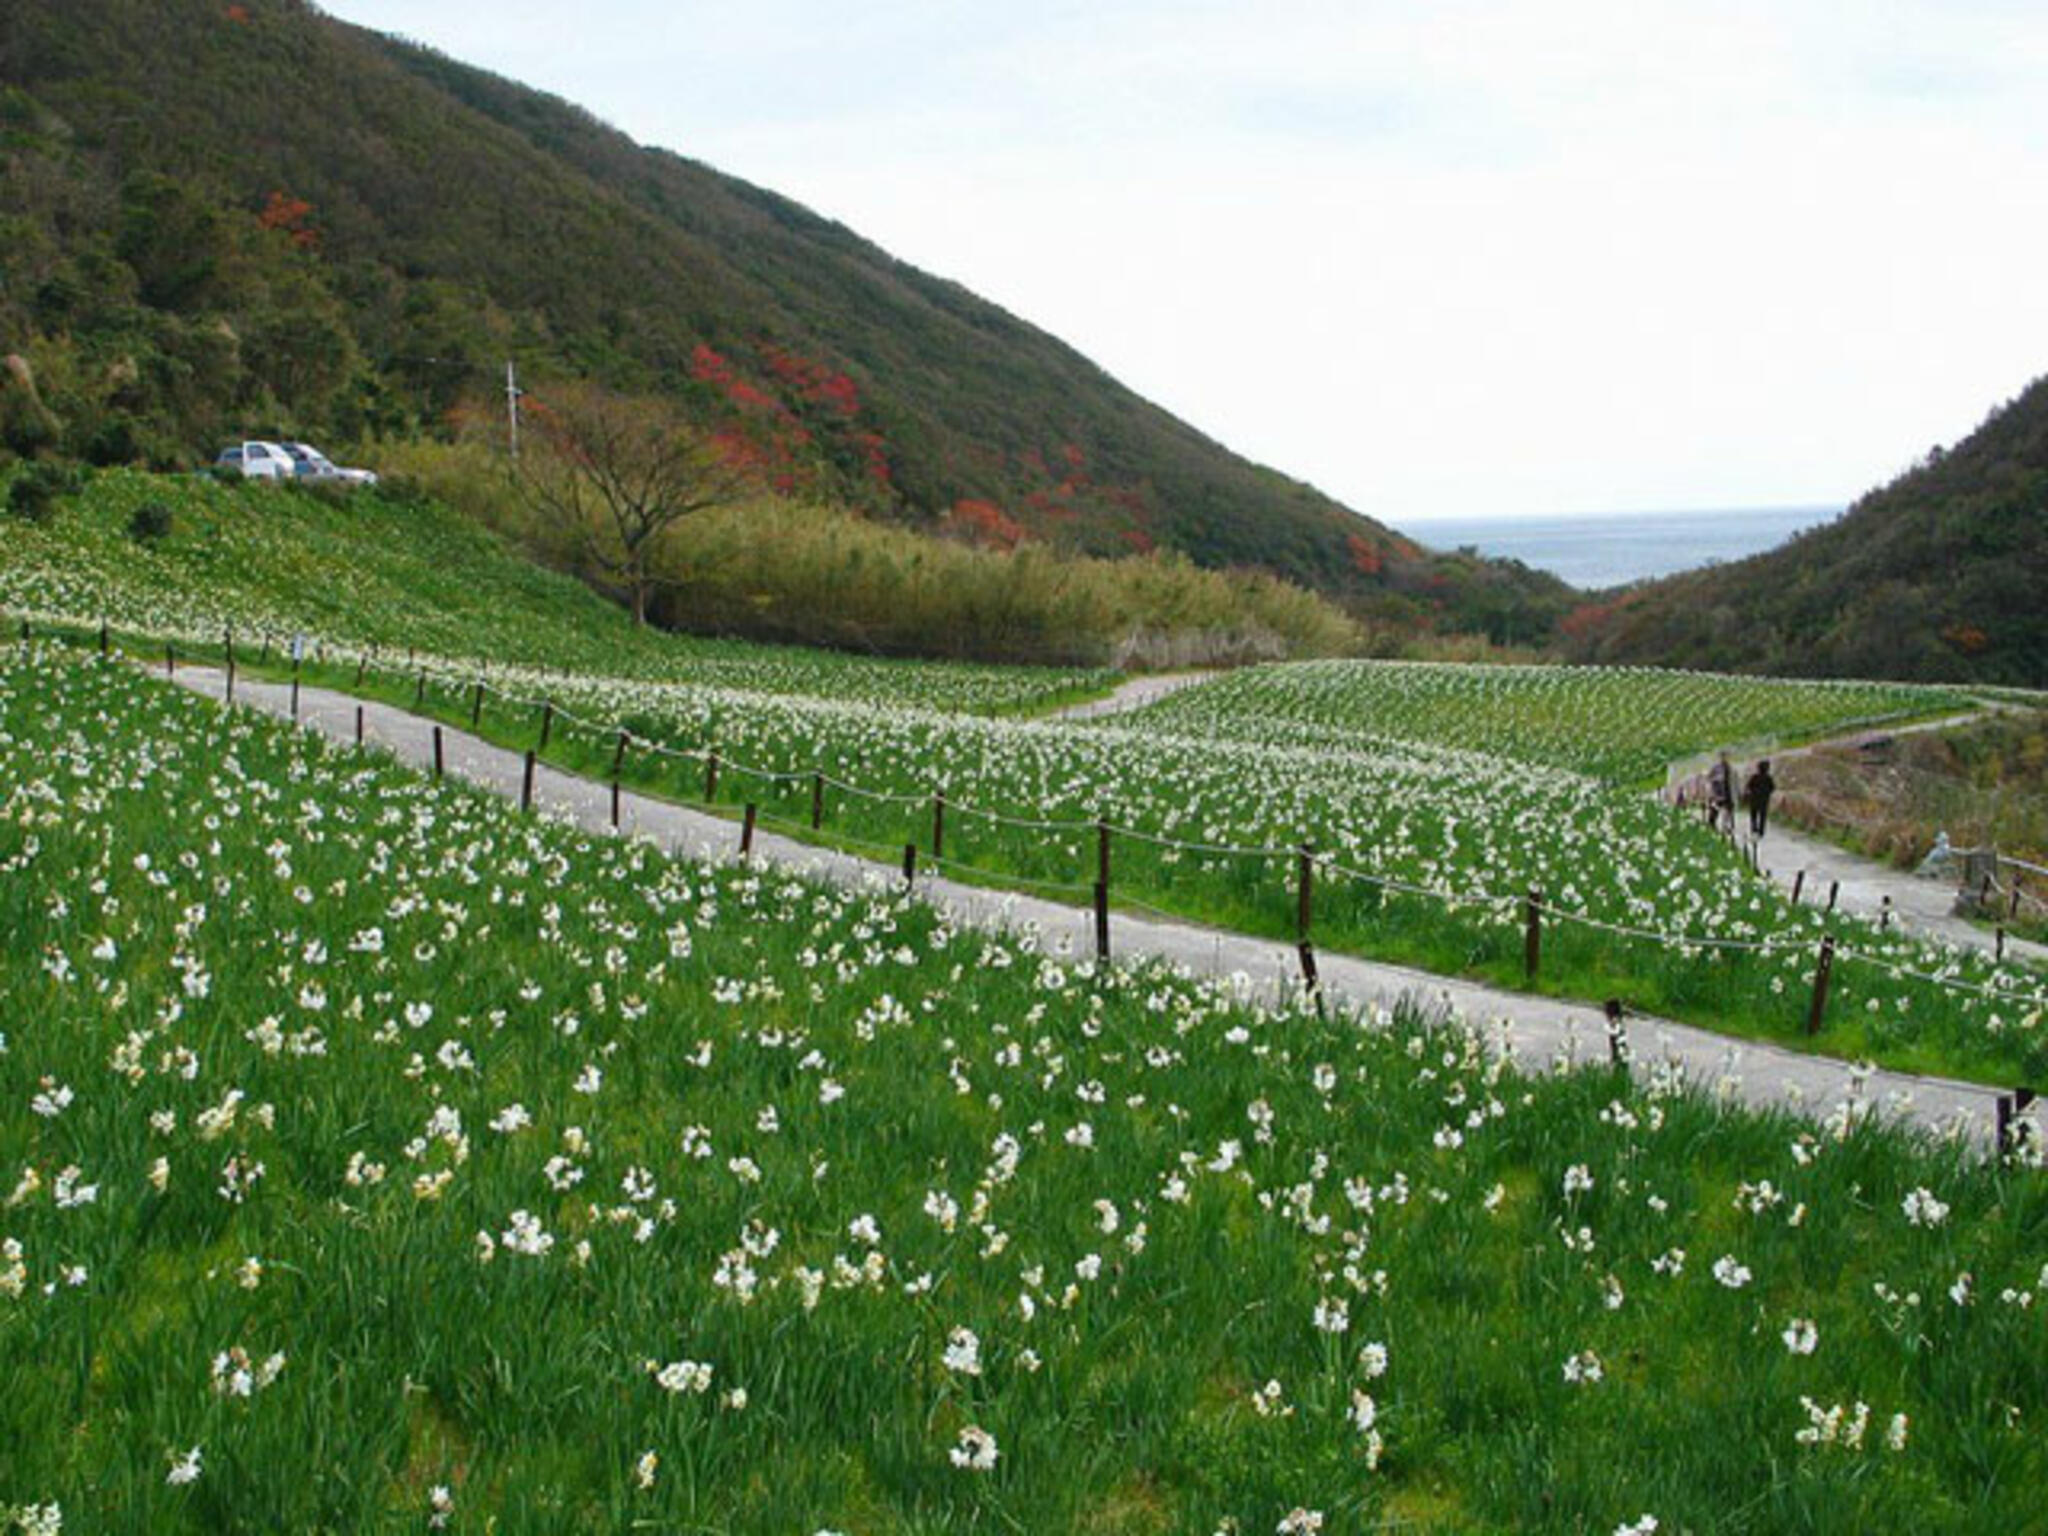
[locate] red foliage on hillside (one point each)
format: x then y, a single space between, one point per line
288 215
874 452
1588 619
1365 554
813 382
986 523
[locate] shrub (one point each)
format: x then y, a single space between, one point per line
34 495
113 441
151 522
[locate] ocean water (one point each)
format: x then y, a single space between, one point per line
1608 548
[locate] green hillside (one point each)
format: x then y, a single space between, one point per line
229 217
403 574
1938 576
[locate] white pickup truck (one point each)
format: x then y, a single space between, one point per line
259 461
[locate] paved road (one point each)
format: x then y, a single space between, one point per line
1923 907
1540 1032
1134 693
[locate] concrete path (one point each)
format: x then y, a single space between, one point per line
1134 693
1540 1032
1865 886
1921 907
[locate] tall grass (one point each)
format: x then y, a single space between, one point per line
783 570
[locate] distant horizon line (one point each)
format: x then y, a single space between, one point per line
1830 508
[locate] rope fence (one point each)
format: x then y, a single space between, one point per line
473 688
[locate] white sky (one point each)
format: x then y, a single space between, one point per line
1440 258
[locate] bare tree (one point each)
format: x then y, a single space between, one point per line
614 473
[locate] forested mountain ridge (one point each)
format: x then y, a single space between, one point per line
1941 575
228 217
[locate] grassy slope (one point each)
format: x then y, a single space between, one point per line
369 569
1388 1174
1622 725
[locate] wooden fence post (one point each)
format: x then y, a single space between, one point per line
526 783
619 756
909 865
2010 1107
170 659
476 705
1617 1034
711 778
547 723
359 725
106 639
1102 890
439 762
1822 970
615 802
1834 890
939 825
747 832
1305 891
1532 932
817 801
295 690
1798 885
1309 979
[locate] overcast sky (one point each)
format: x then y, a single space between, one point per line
1439 258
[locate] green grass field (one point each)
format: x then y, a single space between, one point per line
1427 851
383 1161
1620 724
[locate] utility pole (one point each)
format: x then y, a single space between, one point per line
512 409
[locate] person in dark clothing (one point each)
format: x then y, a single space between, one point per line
1721 794
1756 794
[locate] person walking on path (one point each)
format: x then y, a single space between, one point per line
1757 790
1721 794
